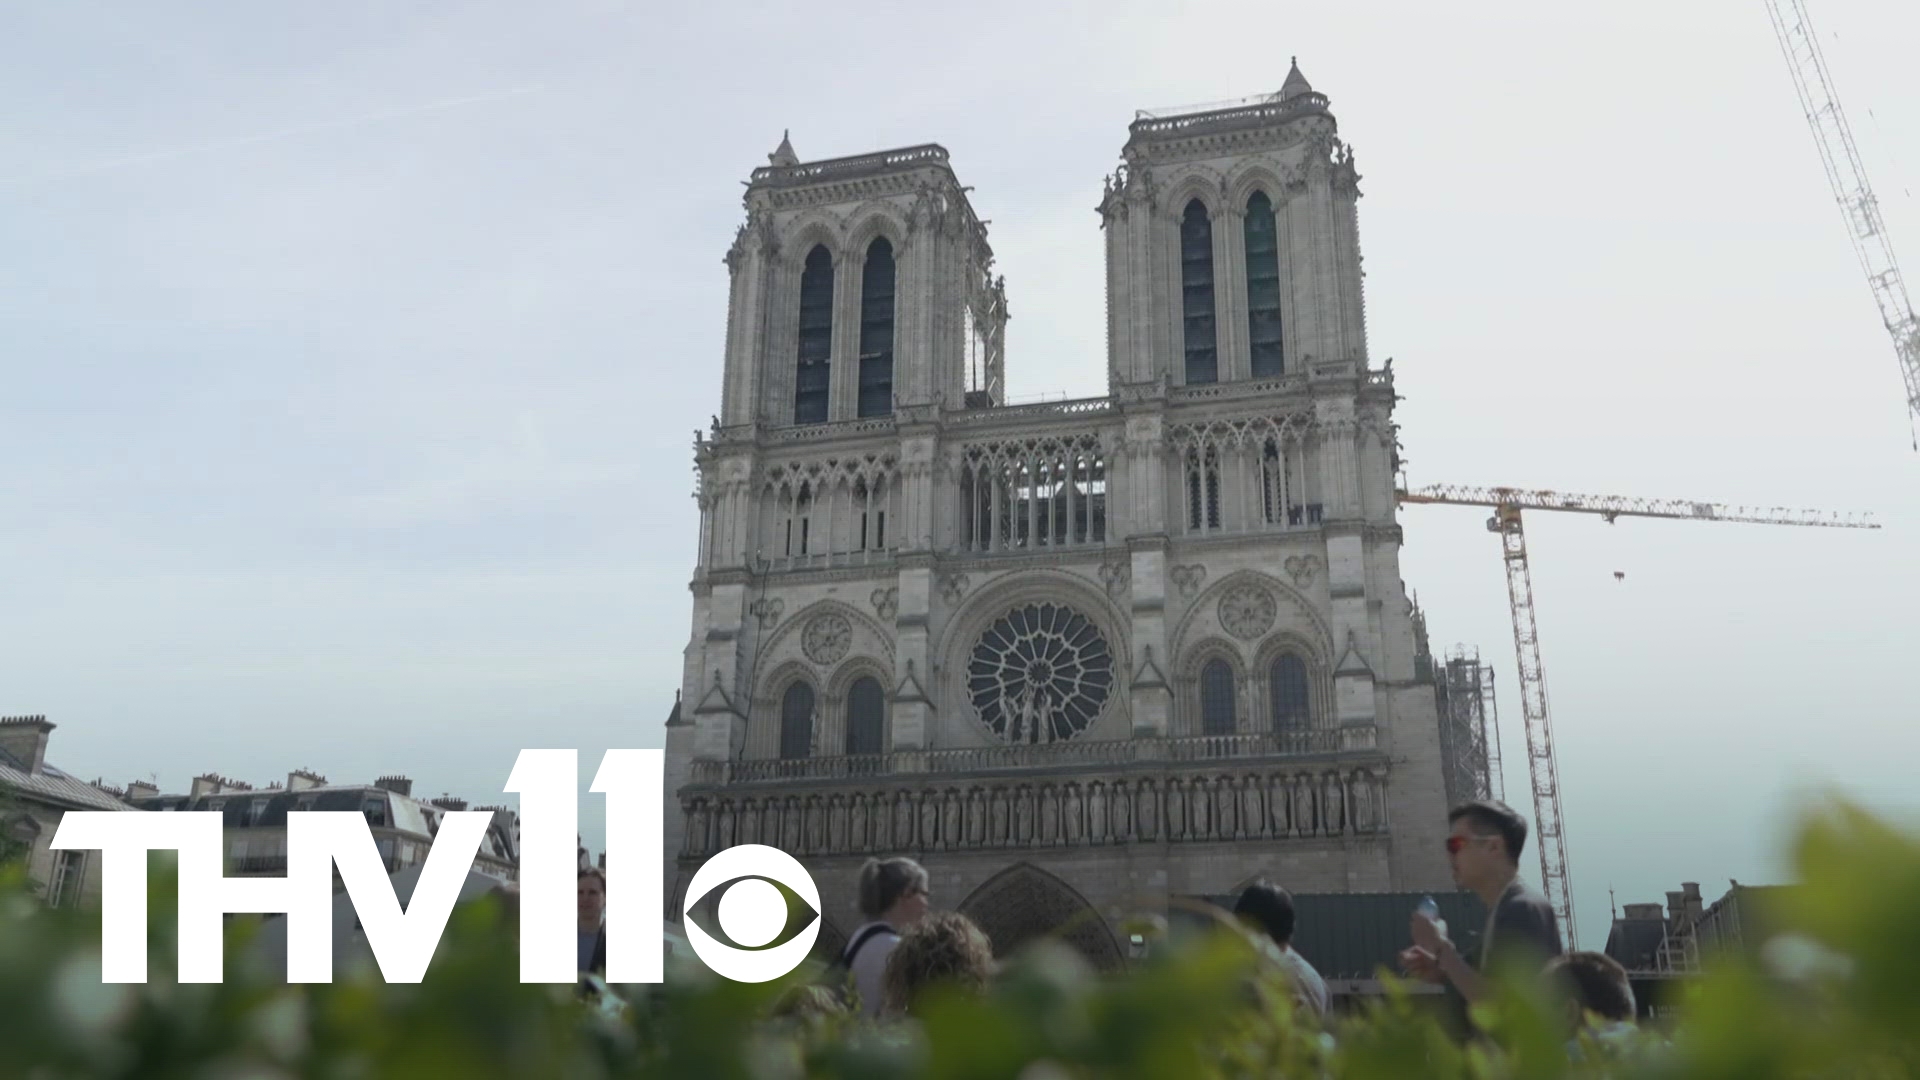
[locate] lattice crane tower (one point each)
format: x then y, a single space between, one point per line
1507 504
1848 177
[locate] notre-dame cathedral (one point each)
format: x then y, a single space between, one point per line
1076 657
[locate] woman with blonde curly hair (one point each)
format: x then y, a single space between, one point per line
942 950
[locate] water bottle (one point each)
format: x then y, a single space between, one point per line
1431 909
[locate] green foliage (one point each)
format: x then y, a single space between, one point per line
1832 996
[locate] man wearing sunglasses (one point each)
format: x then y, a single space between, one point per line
1483 847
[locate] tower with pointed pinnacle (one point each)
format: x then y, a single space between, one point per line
1078 657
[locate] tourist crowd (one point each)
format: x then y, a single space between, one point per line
905 948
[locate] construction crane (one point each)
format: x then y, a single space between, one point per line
1507 504
1848 178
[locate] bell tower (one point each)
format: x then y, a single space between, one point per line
1232 246
859 285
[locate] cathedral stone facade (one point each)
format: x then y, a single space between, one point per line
1076 657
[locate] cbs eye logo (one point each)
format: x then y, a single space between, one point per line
744 892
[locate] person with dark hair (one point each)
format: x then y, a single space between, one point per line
1483 847
592 897
1599 998
944 950
893 897
1269 909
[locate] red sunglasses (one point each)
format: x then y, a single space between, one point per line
1456 843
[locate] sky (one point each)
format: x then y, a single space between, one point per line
352 353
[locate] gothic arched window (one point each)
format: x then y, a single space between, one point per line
1287 689
1273 483
1203 489
1216 698
816 338
1263 286
866 716
876 330
796 721
1196 294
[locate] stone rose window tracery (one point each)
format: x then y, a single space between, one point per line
1040 674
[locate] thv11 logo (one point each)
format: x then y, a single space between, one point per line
403 942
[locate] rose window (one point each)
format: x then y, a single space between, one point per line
1040 674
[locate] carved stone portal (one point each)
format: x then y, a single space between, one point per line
1024 902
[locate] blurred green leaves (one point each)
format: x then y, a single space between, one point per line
1830 993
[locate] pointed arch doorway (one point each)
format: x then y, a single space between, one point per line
1023 903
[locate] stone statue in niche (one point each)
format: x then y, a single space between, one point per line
723 835
903 838
750 822
976 817
859 835
997 828
1333 804
1303 822
950 820
1252 814
836 824
1362 785
1049 816
929 820
816 824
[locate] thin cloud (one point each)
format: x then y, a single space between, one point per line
153 157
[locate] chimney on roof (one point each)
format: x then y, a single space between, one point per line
25 737
1676 904
302 779
397 784
448 802
140 789
1690 893
1642 911
207 784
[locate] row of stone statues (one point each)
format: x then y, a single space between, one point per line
1246 806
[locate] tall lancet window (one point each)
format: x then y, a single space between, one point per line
1216 699
1292 704
816 338
1263 287
876 330
866 717
796 721
1196 294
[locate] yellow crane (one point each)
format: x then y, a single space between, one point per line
1507 504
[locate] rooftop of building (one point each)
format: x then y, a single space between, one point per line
1295 98
47 784
785 169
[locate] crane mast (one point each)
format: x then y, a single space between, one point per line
1848 178
1507 504
1544 770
